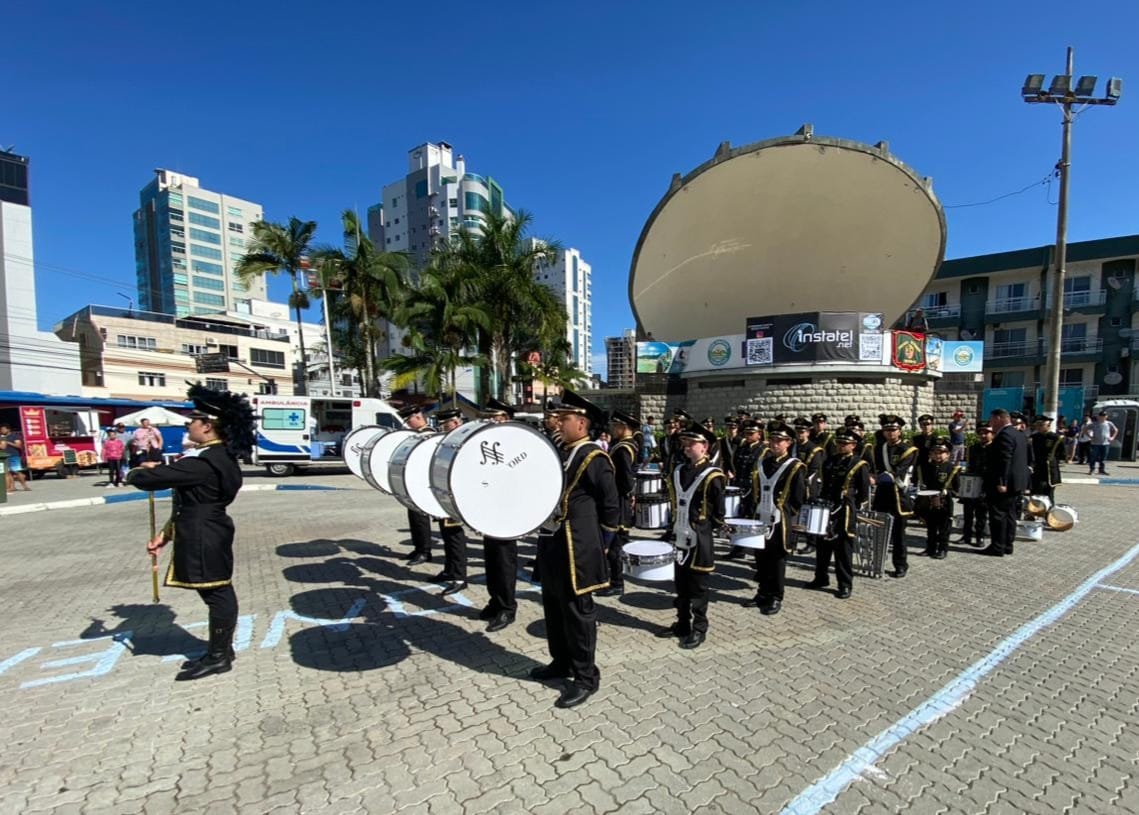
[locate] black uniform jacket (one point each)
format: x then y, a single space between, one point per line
588 509
901 458
728 446
923 442
940 477
846 487
199 530
1046 449
825 440
624 457
743 463
812 456
790 493
977 458
706 512
1008 462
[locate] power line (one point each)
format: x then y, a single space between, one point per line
1042 182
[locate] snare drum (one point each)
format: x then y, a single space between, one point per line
378 454
748 534
969 486
410 474
1062 517
649 482
814 518
1038 505
352 448
732 497
502 479
927 500
653 512
649 560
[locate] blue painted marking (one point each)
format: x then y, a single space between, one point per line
827 789
1119 482
1117 588
11 662
305 488
277 626
104 660
133 496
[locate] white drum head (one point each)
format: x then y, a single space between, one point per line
503 479
353 446
417 477
376 460
648 548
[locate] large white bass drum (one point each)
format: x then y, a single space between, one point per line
378 455
352 448
410 474
502 479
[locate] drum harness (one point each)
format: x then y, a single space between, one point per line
767 511
550 527
685 543
888 470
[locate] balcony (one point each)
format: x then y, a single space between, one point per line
943 315
1010 350
1085 299
1012 308
1076 346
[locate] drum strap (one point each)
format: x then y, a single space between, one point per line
685 535
767 510
556 517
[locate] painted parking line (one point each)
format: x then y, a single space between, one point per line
1117 588
827 789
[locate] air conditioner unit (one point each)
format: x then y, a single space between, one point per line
211 341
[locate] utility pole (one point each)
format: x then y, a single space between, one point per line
1062 92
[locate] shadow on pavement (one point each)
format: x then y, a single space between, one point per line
146 629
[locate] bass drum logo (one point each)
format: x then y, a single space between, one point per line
719 352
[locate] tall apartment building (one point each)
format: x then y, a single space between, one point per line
30 359
188 241
621 360
569 277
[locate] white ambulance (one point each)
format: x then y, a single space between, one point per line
296 432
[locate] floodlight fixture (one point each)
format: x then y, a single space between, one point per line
1033 85
1086 85
1114 90
1061 85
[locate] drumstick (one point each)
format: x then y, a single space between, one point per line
153 555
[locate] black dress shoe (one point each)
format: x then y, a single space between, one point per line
675 630
551 671
573 695
773 607
818 584
209 664
500 622
442 577
993 551
843 593
193 663
487 613
612 591
979 542
693 640
419 558
940 555
454 587
900 573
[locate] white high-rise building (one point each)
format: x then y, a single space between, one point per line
30 359
188 241
569 277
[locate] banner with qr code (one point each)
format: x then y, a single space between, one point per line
813 337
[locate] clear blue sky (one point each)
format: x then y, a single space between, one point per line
582 112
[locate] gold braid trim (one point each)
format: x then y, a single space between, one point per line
568 527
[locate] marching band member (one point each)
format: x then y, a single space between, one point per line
419 523
571 554
976 512
821 436
779 487
1046 448
894 462
846 488
500 556
925 439
747 455
938 473
623 453
812 456
698 505
454 574
728 444
199 529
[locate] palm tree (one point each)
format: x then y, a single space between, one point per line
503 259
275 248
442 323
371 285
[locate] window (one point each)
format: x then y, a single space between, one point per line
1010 290
149 379
177 232
233 212
181 296
453 203
1071 377
267 387
230 351
204 220
204 206
1007 379
192 349
217 384
175 215
397 220
935 299
232 227
205 252
174 199
1072 331
209 283
387 240
236 241
181 278
421 189
203 235
142 343
266 359
1074 284
475 201
178 246
206 268
209 299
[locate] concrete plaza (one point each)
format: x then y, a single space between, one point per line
974 685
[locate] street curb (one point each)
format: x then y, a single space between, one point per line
160 494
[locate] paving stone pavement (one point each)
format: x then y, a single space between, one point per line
358 689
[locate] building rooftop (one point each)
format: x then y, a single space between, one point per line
1039 257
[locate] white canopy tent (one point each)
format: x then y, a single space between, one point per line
159 417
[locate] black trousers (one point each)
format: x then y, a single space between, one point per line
884 501
222 605
1002 521
842 548
616 567
501 557
691 599
571 621
771 568
976 518
937 523
454 550
420 525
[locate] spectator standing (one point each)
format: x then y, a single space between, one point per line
957 428
146 444
1071 434
649 443
1084 440
12 451
1103 433
113 453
